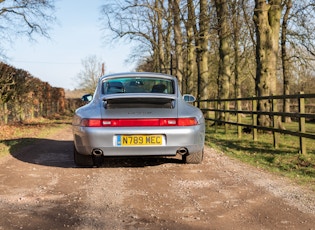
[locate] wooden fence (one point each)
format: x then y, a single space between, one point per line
219 106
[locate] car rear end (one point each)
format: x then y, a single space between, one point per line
139 136
139 123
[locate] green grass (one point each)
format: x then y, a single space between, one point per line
292 126
14 137
285 160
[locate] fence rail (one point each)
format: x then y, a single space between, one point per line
222 106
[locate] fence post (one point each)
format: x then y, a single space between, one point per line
226 114
239 118
275 124
254 117
216 116
302 123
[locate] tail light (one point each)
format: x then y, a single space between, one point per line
189 121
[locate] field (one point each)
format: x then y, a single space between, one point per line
286 160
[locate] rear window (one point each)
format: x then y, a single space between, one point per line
138 85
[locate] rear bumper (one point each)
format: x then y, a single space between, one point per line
88 139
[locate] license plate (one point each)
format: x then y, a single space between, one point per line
139 140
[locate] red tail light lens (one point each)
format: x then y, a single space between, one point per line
190 121
91 122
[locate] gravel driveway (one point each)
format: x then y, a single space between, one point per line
40 188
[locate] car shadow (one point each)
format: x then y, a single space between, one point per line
39 151
137 162
59 153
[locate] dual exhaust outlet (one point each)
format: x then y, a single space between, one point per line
98 152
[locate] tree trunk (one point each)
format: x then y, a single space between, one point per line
191 56
203 51
267 22
285 61
158 9
178 41
224 51
236 38
168 46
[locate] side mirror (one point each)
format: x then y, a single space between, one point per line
189 98
87 97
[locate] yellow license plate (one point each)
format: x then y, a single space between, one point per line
139 140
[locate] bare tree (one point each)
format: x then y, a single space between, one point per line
202 50
25 17
242 49
267 17
191 67
92 70
224 34
297 43
285 59
160 41
236 29
178 39
135 21
248 48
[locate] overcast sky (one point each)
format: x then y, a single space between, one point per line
76 36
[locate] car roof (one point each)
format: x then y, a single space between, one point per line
138 74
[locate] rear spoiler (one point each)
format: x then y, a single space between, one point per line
143 100
138 95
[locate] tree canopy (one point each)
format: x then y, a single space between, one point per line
221 48
25 18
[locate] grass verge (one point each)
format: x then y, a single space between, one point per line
285 160
15 136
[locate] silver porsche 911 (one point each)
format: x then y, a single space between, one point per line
137 114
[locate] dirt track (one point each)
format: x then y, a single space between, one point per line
40 188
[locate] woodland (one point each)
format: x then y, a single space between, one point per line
216 48
222 49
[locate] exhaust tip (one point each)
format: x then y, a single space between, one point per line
182 151
97 152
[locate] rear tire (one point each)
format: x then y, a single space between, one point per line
98 161
195 158
82 160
